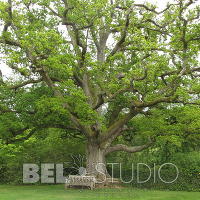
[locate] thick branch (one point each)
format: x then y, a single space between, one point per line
10 42
86 130
31 81
123 35
153 9
189 71
154 102
117 125
23 138
4 109
9 21
134 149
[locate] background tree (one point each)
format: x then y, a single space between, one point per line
92 67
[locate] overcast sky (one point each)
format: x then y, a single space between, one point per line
161 4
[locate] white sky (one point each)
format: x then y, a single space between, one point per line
161 4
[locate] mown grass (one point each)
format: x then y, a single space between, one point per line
57 192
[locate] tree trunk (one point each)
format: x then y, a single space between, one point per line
96 162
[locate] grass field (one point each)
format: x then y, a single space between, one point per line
57 192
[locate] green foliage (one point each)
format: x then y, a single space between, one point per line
45 147
187 164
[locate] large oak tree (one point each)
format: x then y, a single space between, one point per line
91 67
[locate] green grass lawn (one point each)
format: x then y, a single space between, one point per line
57 192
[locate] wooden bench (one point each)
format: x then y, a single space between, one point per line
86 181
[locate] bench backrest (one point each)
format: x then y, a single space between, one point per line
81 179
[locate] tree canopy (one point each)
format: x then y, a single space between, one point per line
100 70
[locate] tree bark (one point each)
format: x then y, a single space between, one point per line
96 162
